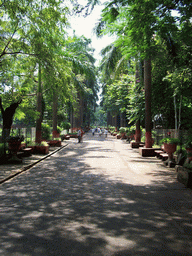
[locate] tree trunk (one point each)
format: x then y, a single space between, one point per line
138 132
138 78
7 116
147 84
55 103
39 109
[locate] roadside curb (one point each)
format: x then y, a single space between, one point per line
25 168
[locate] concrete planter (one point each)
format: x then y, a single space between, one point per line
184 176
189 151
54 143
42 149
73 135
123 136
32 149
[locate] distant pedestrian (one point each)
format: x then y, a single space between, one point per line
93 131
105 132
79 134
99 131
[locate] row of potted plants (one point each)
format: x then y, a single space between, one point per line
123 133
184 158
170 145
15 144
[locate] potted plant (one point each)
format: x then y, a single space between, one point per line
46 131
66 125
32 145
170 146
56 142
118 136
130 131
122 131
42 147
14 145
111 129
14 142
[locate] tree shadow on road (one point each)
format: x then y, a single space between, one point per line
63 206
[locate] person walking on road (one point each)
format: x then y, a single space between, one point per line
105 132
79 134
93 131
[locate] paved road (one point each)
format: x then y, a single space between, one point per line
99 197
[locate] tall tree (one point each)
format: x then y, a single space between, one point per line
136 24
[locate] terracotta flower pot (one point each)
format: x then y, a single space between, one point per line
14 146
170 149
123 136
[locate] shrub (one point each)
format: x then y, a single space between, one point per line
31 144
122 130
170 141
66 125
188 143
46 131
59 129
111 128
15 138
43 143
188 166
130 130
58 139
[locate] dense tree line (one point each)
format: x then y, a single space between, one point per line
159 31
43 69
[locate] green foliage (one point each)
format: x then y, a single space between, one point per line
58 139
188 143
34 33
43 143
59 129
31 144
122 130
66 125
46 131
130 130
188 166
170 141
147 29
15 138
99 117
111 128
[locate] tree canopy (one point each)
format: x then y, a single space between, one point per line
161 31
33 36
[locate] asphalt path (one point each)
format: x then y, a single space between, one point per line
98 197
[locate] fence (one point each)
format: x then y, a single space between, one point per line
164 133
27 133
